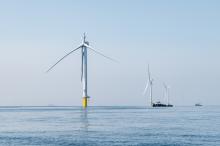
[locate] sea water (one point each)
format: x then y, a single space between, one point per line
103 126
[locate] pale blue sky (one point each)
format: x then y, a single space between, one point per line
180 40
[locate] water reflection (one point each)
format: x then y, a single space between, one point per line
84 120
84 128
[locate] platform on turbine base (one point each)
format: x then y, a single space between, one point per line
85 102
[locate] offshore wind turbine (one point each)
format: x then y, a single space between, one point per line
149 85
166 93
83 47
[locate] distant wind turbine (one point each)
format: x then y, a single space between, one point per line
166 93
149 85
84 47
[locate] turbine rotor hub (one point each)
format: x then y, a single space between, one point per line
86 42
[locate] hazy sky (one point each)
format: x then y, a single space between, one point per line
179 39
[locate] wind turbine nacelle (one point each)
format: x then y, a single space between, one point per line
86 42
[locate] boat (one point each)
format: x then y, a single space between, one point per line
198 104
159 104
169 105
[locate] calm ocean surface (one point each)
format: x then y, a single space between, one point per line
103 126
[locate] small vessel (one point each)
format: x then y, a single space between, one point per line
198 104
169 105
159 104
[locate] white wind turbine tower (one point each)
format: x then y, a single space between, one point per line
149 85
84 47
167 94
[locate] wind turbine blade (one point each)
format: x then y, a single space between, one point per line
145 90
165 86
165 90
82 65
101 54
149 78
63 58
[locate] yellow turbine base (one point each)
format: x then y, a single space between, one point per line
84 102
